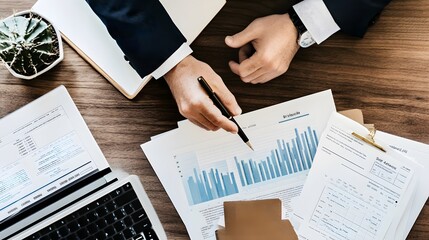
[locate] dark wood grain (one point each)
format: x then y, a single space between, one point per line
386 74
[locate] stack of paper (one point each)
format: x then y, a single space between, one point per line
200 170
356 191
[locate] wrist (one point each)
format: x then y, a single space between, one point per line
172 74
292 30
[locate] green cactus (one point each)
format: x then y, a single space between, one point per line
28 44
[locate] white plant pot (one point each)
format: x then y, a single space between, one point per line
60 48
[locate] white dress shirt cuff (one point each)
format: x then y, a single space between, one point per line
317 19
183 51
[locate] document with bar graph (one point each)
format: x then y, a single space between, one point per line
200 170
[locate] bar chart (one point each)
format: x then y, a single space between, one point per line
289 157
206 184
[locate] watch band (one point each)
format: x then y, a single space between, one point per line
297 21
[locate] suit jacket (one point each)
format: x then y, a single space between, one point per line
355 16
147 35
143 30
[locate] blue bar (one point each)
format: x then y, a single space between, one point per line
240 173
200 186
193 188
292 157
309 144
219 187
316 141
281 164
227 184
261 171
213 181
247 172
255 173
301 157
287 159
296 160
275 165
208 188
306 151
273 175
267 173
234 182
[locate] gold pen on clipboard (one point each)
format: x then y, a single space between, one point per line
370 139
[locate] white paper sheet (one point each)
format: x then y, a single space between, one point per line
44 146
200 170
353 191
420 153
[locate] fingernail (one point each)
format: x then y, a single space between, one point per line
238 111
228 39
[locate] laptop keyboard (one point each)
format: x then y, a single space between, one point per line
117 215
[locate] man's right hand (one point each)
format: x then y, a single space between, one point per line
193 101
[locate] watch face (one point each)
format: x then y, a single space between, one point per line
306 40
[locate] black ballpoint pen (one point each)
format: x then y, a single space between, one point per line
223 110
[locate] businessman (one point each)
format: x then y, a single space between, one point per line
154 45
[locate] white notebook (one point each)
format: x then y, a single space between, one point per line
84 31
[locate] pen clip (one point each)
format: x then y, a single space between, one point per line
370 138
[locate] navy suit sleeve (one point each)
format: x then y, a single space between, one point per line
143 30
355 16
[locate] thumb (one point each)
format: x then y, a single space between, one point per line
242 38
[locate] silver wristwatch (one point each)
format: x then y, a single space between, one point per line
304 37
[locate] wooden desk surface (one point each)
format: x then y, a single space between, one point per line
386 74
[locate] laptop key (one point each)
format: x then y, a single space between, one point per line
92 228
101 211
119 236
83 221
119 226
136 205
101 224
63 231
99 236
125 198
140 226
127 186
150 234
83 233
72 237
110 218
73 226
54 235
139 215
128 221
116 193
119 214
109 231
129 233
93 216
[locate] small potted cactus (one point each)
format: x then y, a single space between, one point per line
29 44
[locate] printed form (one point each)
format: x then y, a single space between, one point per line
353 191
200 169
44 147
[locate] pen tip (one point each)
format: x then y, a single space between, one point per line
250 145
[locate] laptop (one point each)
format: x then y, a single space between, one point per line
83 30
55 182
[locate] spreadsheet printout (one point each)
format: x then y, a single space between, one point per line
200 170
